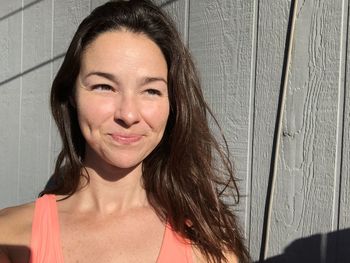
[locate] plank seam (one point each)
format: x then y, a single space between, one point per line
51 69
277 133
255 38
20 106
346 13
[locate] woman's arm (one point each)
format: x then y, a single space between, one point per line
15 233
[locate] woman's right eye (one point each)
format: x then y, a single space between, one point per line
103 87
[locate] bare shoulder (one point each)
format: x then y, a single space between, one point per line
198 257
15 233
15 224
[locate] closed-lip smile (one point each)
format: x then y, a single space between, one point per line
126 138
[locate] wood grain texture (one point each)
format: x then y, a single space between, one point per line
220 39
305 199
37 30
68 15
9 142
10 46
272 29
178 10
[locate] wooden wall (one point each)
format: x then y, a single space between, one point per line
239 48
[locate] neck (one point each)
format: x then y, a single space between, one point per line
111 189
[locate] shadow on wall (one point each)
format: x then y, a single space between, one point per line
332 247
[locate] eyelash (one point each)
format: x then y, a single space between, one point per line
102 87
105 87
153 92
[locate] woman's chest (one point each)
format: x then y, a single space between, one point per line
112 240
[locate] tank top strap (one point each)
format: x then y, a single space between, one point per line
174 249
45 241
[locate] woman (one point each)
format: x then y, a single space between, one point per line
137 178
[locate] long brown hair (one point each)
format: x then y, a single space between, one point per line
189 172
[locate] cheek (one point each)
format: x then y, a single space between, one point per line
156 115
93 112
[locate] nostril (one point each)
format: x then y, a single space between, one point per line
122 123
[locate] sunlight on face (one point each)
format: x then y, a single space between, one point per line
122 98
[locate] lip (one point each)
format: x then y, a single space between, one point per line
126 138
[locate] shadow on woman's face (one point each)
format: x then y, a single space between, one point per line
14 254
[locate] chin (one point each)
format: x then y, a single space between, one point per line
124 163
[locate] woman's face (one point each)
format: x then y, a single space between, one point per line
121 98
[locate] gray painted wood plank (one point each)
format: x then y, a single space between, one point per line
10 46
37 31
221 41
10 65
272 29
34 134
344 219
178 11
306 194
67 16
9 142
344 206
9 6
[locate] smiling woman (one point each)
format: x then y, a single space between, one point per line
136 179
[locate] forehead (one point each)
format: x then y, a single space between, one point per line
118 49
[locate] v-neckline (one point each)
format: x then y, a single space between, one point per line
56 221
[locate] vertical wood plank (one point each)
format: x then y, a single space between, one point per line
305 199
68 15
272 29
10 65
344 206
35 116
8 7
221 40
9 130
178 10
344 217
34 134
10 46
37 29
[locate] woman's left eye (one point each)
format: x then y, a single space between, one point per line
153 92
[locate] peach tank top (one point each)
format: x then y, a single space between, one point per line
45 243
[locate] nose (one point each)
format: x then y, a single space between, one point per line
127 112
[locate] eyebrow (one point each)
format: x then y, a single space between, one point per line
145 80
106 75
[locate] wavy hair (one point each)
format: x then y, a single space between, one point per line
188 173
